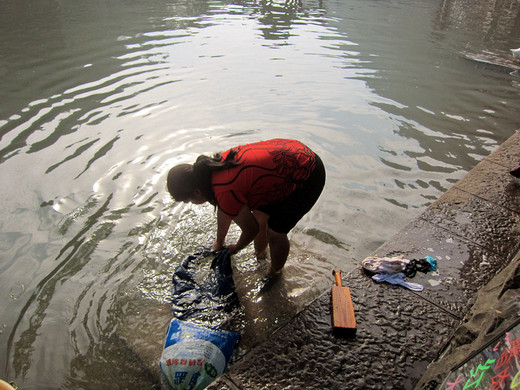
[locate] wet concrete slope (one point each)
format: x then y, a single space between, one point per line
474 232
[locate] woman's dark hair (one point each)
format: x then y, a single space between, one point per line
184 179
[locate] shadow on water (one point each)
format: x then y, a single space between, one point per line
104 97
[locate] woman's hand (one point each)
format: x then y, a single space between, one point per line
232 249
217 245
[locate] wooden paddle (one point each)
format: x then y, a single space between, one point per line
343 317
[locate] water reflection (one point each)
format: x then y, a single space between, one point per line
425 94
103 98
278 17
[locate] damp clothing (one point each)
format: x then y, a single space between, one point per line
280 177
397 279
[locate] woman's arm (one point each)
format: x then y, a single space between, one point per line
223 223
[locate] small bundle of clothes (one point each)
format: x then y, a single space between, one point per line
394 269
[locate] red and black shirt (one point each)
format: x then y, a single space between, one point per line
269 171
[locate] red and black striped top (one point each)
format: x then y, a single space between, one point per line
268 172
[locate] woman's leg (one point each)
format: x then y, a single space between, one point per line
279 249
260 240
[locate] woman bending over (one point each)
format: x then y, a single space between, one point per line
264 187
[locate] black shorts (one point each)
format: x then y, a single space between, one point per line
284 215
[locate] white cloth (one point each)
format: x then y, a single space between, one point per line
388 265
397 279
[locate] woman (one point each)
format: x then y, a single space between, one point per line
264 187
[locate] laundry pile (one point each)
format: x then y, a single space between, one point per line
197 348
394 270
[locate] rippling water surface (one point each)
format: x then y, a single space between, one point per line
100 98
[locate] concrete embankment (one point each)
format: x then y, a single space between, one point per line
474 232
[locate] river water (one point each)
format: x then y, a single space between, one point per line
100 98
